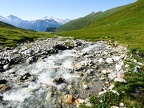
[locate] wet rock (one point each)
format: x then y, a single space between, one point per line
16 59
62 47
3 87
79 43
1 97
3 81
26 91
25 76
4 61
6 67
59 80
30 60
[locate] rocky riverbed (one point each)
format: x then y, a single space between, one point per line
58 73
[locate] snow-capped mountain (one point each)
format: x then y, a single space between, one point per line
61 21
38 24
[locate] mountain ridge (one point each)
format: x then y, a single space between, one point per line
37 24
88 19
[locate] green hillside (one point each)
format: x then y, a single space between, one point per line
87 20
11 36
125 26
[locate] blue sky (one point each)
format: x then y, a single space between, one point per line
35 9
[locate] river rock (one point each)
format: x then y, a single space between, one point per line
121 104
6 67
114 107
3 81
111 87
136 68
119 80
101 60
78 102
68 99
25 76
77 66
116 58
3 87
109 60
104 71
59 80
118 67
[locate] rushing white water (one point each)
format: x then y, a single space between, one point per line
90 47
58 65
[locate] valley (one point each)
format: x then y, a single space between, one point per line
96 61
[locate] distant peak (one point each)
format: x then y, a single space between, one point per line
47 17
13 17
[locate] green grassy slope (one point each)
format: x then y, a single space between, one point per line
125 26
11 36
87 20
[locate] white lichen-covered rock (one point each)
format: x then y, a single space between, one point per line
115 92
114 107
85 86
118 67
102 78
88 104
111 87
78 102
77 66
116 58
101 60
119 80
121 104
104 71
111 76
102 92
